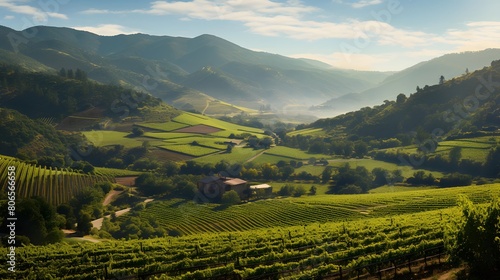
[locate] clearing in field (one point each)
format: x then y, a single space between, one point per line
200 129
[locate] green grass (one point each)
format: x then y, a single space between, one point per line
227 128
166 136
370 164
165 126
191 150
267 158
102 138
308 132
315 170
238 155
293 153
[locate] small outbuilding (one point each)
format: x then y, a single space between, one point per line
213 187
261 190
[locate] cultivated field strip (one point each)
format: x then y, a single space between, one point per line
312 250
186 217
57 186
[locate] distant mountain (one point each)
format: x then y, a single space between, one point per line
406 81
464 105
186 72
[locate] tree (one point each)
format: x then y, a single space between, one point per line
230 198
62 72
475 239
84 223
401 98
492 164
266 142
326 175
441 80
466 71
287 171
455 155
299 191
137 131
313 190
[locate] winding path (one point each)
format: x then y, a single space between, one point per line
98 223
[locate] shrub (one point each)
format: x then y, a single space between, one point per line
455 179
230 198
475 239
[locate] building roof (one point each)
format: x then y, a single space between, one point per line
209 179
234 182
261 186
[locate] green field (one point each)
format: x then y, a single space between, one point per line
165 126
475 149
293 153
370 164
103 138
238 155
173 140
190 150
308 131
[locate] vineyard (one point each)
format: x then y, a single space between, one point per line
299 252
55 185
187 217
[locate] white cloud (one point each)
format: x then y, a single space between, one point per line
364 3
359 4
37 14
106 29
269 18
475 36
9 17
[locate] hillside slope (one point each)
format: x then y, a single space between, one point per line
406 81
163 65
461 105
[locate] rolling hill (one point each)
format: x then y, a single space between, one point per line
406 81
462 105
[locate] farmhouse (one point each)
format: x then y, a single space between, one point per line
213 187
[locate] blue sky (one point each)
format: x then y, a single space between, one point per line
357 34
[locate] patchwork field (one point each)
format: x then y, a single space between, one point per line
188 134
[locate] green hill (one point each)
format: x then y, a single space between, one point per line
459 106
421 74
